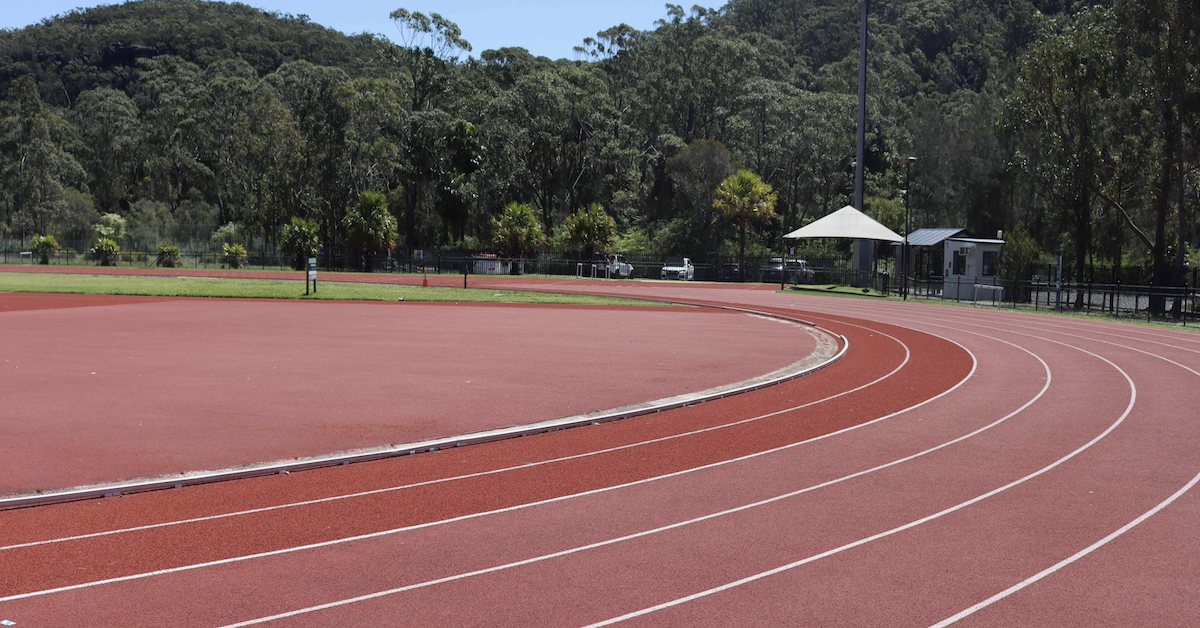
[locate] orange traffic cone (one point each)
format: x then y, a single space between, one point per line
425 281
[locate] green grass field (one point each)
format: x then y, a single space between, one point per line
278 289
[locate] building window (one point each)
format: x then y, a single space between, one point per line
989 263
960 264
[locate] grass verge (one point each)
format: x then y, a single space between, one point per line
279 289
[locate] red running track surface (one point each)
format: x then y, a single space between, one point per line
958 466
127 387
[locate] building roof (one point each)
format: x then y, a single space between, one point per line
977 240
846 222
932 237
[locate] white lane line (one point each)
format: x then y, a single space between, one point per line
333 498
1112 536
1054 329
1074 557
382 533
672 526
898 529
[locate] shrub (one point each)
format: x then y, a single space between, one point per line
44 246
234 255
301 237
590 231
229 233
370 228
518 232
111 227
168 256
105 251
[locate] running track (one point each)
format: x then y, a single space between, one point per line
958 466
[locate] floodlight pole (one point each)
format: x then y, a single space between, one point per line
862 249
908 161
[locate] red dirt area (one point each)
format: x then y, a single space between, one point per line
150 386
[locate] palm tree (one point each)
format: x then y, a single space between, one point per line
744 198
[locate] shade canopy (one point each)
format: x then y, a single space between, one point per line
846 222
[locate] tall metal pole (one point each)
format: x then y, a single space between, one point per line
859 155
862 248
907 219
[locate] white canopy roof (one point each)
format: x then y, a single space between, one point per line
846 222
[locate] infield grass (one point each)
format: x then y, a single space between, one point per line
280 289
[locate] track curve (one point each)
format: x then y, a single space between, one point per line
958 466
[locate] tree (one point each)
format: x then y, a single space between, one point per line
745 199
1104 105
35 166
111 130
517 233
1017 257
427 56
697 171
370 228
590 231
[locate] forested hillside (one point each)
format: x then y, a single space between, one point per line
1074 120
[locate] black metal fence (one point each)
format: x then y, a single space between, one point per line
1146 301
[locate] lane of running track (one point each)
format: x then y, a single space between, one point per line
983 452
479 496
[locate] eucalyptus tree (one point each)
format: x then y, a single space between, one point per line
375 119
111 131
428 57
316 97
1064 102
698 170
1103 106
1159 50
271 156
168 90
36 166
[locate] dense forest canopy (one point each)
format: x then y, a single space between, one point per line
1075 119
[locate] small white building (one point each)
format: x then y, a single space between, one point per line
967 263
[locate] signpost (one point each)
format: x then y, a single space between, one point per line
311 275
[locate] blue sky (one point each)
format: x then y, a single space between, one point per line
545 27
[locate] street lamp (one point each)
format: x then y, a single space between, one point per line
908 162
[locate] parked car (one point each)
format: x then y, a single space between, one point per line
731 271
618 268
679 268
797 271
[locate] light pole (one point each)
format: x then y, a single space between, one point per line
908 162
862 248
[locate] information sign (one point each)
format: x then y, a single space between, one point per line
312 275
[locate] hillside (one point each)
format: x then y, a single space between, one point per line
190 112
